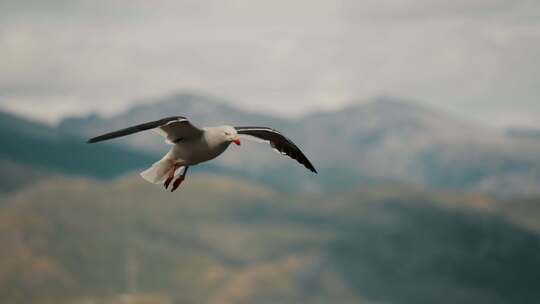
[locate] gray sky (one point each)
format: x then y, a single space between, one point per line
477 58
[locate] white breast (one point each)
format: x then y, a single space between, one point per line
199 150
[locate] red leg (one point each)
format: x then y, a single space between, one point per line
180 179
170 177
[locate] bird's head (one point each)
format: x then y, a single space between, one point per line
230 134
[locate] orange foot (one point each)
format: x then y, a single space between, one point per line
168 181
170 177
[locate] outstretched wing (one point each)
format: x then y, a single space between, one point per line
279 142
173 128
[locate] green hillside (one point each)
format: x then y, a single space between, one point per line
222 240
36 147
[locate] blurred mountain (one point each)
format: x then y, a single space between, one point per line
200 109
16 175
524 133
31 151
397 140
230 241
524 212
384 140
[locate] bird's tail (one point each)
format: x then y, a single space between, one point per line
159 171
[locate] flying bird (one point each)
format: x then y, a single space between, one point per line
192 146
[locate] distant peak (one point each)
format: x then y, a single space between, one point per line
390 103
392 100
387 103
187 98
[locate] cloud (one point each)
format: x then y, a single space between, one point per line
474 58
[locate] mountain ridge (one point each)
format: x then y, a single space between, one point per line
386 140
31 151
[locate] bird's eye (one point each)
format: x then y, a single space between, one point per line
227 133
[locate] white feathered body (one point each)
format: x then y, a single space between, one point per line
187 152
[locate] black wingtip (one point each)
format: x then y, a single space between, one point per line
93 140
309 165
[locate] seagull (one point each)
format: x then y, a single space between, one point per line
192 145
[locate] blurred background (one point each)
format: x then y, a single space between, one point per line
422 118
